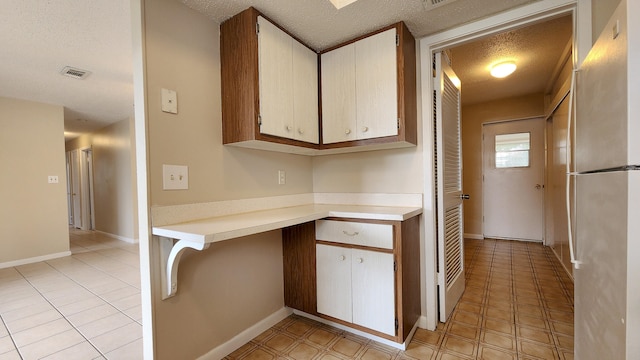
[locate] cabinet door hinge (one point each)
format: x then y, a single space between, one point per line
395 266
259 120
397 325
257 28
398 123
397 39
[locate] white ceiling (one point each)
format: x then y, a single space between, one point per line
39 38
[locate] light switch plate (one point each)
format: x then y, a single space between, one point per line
175 177
169 101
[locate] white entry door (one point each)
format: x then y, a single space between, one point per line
513 188
448 161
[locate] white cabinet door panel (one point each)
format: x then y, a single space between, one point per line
276 78
376 85
333 277
339 95
373 290
305 93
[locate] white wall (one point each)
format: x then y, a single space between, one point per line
113 178
33 213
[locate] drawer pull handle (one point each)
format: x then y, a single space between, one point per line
350 233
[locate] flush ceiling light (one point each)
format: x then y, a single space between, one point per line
503 69
341 3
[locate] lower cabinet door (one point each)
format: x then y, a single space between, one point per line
373 290
333 274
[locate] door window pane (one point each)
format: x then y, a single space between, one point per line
512 150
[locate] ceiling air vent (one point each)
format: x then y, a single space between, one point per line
75 72
432 4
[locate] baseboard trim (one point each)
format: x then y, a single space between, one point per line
244 337
384 341
121 238
32 260
474 236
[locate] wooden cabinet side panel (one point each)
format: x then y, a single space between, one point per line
239 76
410 274
407 95
299 265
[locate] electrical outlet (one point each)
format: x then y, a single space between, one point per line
169 101
52 179
175 177
282 177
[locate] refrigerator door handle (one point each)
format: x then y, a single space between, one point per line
576 263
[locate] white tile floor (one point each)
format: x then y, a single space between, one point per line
85 306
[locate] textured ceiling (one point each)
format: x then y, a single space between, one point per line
320 25
40 37
535 49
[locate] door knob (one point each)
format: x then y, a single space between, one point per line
465 196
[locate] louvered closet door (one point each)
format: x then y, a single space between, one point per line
449 187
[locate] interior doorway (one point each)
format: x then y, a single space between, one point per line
80 189
505 25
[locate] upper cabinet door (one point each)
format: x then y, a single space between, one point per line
275 63
305 93
377 85
339 95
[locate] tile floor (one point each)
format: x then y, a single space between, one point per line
85 306
518 304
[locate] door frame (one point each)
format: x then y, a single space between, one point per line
508 20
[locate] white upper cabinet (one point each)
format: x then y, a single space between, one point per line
360 89
288 78
377 86
305 93
339 95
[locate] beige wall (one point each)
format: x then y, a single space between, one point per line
217 288
396 171
601 11
473 116
33 213
113 178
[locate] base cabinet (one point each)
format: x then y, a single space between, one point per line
357 286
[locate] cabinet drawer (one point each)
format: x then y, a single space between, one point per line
355 233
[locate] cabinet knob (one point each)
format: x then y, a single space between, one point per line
300 131
365 129
348 131
360 260
342 258
288 127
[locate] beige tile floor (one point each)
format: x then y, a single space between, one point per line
85 306
518 304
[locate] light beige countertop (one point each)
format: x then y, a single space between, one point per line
227 227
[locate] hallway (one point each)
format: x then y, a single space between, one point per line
518 304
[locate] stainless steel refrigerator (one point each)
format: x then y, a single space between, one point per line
606 192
